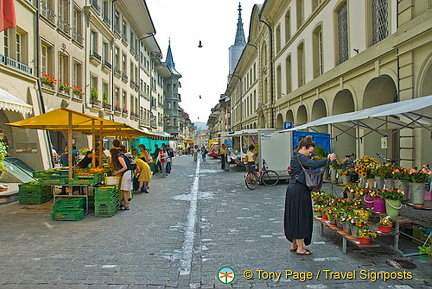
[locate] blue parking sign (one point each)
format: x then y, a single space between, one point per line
288 124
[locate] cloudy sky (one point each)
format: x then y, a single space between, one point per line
205 69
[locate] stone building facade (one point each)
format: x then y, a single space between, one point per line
308 59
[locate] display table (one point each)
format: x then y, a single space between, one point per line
345 236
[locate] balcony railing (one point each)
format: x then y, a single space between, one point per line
107 20
48 14
15 64
107 65
64 26
117 71
95 5
117 29
96 56
77 36
124 37
125 78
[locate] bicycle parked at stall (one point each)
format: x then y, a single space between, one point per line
263 176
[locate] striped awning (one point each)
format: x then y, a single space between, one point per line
10 102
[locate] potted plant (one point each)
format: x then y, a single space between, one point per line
401 176
393 198
77 91
117 108
93 96
418 180
367 169
3 154
48 80
64 87
364 235
385 224
378 201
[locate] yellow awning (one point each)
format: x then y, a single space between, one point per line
63 119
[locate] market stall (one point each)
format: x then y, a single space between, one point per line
75 122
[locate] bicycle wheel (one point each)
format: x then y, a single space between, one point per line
270 178
250 181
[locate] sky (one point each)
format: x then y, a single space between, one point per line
204 70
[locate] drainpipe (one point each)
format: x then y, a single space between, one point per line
39 85
271 68
139 76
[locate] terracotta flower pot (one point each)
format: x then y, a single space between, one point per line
364 241
324 216
384 229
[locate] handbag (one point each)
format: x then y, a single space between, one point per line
314 179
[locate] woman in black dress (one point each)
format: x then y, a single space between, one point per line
298 223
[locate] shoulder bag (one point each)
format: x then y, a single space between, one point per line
313 179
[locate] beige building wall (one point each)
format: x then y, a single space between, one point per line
77 43
312 77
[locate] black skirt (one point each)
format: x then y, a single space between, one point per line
298 219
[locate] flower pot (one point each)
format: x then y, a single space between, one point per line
362 182
417 192
333 176
403 186
379 205
392 207
363 215
350 196
324 216
318 214
346 227
353 230
389 183
331 219
384 229
379 183
364 241
345 179
370 183
338 176
369 201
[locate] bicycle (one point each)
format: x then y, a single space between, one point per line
264 176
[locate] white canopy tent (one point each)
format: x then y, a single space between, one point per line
412 113
385 120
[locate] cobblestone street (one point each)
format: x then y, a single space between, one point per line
191 224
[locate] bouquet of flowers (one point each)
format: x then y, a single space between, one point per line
391 194
367 167
386 171
400 173
420 176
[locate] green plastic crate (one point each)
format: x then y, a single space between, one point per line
106 210
34 194
33 200
58 181
69 204
84 181
115 198
33 187
73 215
90 176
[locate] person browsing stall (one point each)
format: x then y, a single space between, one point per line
298 218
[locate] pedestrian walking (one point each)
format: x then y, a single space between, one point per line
222 156
195 153
204 153
298 219
163 156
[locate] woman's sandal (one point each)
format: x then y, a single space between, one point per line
307 252
293 250
126 208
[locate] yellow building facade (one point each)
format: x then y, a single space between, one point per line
309 59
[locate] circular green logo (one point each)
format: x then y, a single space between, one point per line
226 275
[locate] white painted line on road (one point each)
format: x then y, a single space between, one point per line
186 261
108 266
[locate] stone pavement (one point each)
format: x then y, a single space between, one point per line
192 223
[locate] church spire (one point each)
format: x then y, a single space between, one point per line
170 61
240 36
